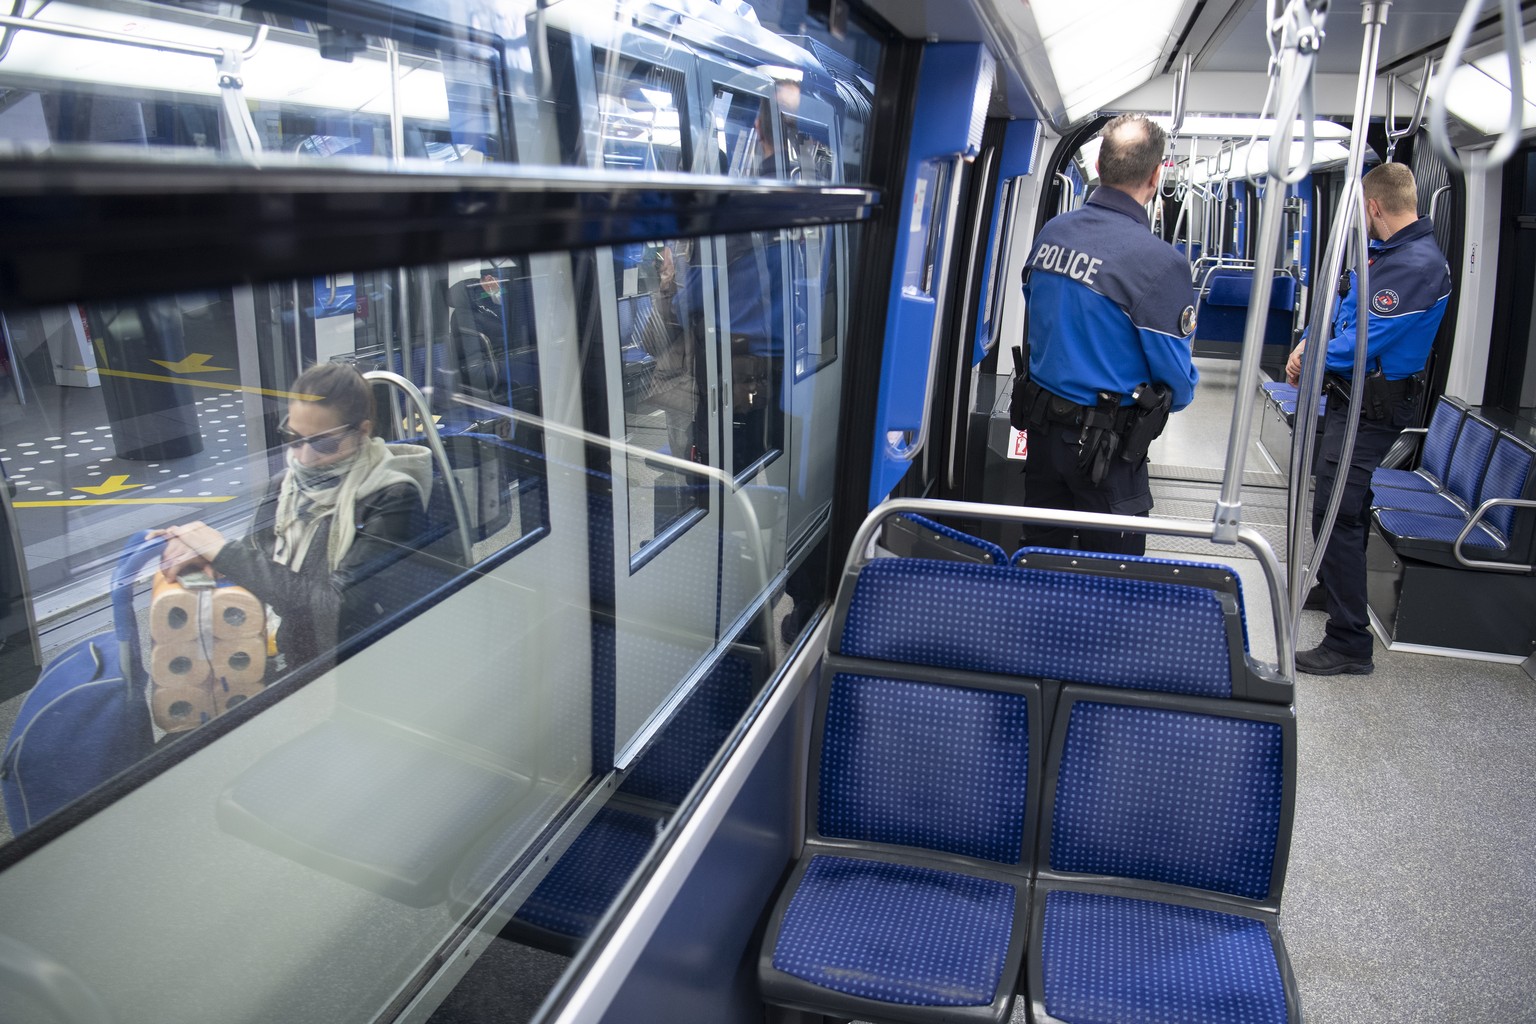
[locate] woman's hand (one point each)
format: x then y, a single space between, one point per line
189 546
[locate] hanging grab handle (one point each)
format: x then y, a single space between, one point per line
1440 87
1394 134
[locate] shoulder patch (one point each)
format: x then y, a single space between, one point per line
1187 320
1385 301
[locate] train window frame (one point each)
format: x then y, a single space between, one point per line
627 286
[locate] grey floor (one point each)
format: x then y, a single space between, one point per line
1414 846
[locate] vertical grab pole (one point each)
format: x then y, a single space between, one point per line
1302 28
1351 215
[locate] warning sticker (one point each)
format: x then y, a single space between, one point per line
1018 445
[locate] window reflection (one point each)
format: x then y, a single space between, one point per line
755 297
643 128
296 87
661 331
318 508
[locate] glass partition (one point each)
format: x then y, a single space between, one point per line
439 637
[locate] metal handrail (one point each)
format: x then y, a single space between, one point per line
1472 523
1394 134
1180 94
1510 28
1306 405
54 28
946 248
858 553
435 443
1350 215
1303 25
1065 195
1434 199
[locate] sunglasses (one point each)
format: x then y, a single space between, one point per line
327 442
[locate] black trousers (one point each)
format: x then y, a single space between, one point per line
1342 564
1052 480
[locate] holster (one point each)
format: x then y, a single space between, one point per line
1154 404
1099 439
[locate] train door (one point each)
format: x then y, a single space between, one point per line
654 300
757 319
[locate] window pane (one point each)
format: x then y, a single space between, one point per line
755 300
156 79
661 329
643 127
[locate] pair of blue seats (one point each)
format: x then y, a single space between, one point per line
1224 299
1060 775
1465 463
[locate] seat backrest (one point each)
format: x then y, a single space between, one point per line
920 763
1440 437
1509 476
1230 287
1039 623
918 536
1469 458
1184 793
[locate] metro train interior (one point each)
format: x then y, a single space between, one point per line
712 641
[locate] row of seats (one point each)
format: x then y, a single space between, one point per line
1465 463
1062 776
1225 295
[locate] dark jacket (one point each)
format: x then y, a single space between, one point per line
319 608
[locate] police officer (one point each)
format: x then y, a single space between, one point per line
1410 288
1111 314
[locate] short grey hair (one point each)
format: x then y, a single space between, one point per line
1132 149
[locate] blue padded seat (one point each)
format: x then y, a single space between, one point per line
909 899
1046 624
1469 459
1464 471
1110 958
922 764
1508 476
897 933
990 550
1168 796
1425 525
1211 575
1165 828
1434 456
567 903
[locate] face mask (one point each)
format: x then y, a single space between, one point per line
319 477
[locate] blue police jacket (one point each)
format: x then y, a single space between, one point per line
1110 305
1410 288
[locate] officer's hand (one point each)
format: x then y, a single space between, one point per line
1293 364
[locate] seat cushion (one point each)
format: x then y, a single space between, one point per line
1402 480
897 933
1401 526
1429 503
578 889
1107 959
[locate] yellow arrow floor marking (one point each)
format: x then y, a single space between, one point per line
77 502
292 396
197 362
113 484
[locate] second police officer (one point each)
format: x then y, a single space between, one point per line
1410 290
1111 314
